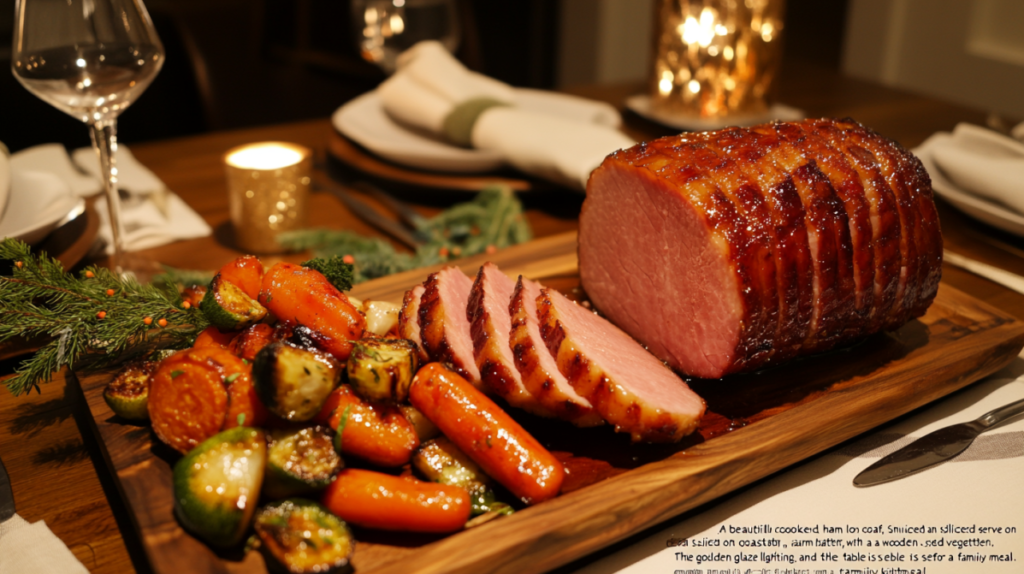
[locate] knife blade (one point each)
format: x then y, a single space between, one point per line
935 447
364 211
6 495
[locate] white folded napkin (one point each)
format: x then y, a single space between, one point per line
982 162
132 176
53 158
432 91
980 487
146 225
26 548
152 214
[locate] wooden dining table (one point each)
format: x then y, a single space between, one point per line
47 442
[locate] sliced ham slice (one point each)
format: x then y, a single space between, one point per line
490 325
444 326
537 367
409 320
628 386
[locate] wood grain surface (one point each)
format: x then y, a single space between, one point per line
757 424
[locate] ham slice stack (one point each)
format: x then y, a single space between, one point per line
541 352
733 250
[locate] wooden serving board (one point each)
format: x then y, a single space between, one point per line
757 424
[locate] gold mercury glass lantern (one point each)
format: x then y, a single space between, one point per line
268 188
715 58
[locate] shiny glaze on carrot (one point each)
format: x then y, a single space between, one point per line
374 432
214 337
246 273
487 434
252 340
377 500
295 293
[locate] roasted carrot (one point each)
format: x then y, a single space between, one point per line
214 337
333 399
193 294
378 500
187 401
377 433
251 340
243 402
486 433
246 273
295 293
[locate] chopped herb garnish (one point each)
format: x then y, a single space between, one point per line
335 269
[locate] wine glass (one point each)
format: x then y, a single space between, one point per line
386 28
90 59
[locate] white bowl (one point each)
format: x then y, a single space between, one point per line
39 202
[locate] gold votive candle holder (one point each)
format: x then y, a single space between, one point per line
268 189
716 58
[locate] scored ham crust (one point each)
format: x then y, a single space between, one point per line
628 386
490 325
536 365
693 227
409 320
444 325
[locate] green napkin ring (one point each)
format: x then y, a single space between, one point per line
458 125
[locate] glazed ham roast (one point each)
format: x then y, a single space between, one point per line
729 251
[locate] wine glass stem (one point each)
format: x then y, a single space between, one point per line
104 141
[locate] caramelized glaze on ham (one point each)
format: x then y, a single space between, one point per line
679 239
443 321
490 325
628 386
536 365
409 320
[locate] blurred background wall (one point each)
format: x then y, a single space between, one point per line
236 63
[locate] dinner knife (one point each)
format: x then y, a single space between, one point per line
362 210
6 495
935 447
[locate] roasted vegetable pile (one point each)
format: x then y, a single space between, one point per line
299 411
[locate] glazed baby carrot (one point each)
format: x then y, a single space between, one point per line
374 432
486 433
246 273
251 340
214 337
378 500
295 293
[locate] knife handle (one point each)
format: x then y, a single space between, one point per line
997 416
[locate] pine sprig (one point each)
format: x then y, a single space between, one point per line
94 320
492 220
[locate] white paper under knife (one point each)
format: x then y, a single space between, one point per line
935 447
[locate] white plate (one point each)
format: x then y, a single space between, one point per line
641 105
5 179
364 121
986 211
39 202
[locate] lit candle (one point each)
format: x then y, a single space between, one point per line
268 186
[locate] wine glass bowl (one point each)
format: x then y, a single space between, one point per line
386 28
90 59
90 83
